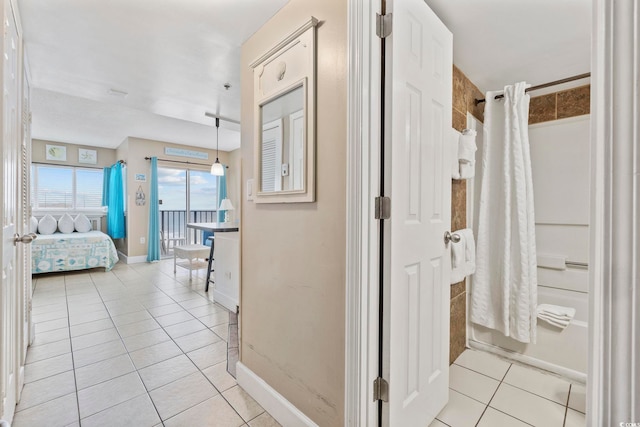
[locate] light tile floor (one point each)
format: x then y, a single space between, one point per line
487 391
136 346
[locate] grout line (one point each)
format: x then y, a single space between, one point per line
566 409
110 317
512 416
493 395
73 361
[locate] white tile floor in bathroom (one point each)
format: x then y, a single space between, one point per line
136 346
487 391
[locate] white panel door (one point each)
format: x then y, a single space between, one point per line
10 309
24 215
418 297
296 150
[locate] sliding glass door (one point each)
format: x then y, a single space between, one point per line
185 196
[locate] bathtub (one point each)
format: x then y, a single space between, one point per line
559 157
563 352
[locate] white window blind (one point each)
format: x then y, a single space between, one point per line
268 165
63 187
271 162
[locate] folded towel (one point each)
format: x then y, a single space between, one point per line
467 170
556 315
557 310
559 323
469 250
455 165
458 264
467 146
463 162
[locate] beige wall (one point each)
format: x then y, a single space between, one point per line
134 150
234 183
106 156
293 255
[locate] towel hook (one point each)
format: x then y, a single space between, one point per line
448 237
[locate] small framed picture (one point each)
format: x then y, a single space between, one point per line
140 177
57 153
89 157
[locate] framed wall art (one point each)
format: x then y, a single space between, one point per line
89 157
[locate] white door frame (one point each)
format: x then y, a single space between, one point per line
363 177
613 391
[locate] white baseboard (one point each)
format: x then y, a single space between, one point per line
273 402
226 301
132 259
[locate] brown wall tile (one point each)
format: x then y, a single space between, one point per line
457 325
458 204
472 93
464 95
459 121
459 90
458 288
574 102
542 108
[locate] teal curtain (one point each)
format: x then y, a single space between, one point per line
153 248
115 203
222 193
106 174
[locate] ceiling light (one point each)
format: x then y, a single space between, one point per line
216 168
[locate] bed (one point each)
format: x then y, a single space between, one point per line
73 251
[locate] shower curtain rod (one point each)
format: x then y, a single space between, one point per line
544 85
178 161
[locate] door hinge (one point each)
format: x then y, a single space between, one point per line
383 207
383 25
380 390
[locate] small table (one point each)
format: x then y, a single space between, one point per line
189 252
214 227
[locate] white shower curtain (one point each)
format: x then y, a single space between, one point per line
504 289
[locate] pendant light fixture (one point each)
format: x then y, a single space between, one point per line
216 168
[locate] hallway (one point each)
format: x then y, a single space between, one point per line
136 346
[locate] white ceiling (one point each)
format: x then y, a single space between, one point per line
500 42
173 57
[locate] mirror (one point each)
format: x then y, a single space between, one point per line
282 142
284 81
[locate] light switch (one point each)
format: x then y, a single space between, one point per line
250 189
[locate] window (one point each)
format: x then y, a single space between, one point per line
63 187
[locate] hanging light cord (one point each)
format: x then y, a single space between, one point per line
217 138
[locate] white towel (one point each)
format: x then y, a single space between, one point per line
463 154
559 323
467 146
556 315
469 250
458 261
455 164
467 170
557 311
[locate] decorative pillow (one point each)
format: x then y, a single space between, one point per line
34 225
47 225
82 223
65 224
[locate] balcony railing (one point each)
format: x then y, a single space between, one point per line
173 227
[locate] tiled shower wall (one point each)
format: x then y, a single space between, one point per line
554 106
464 95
